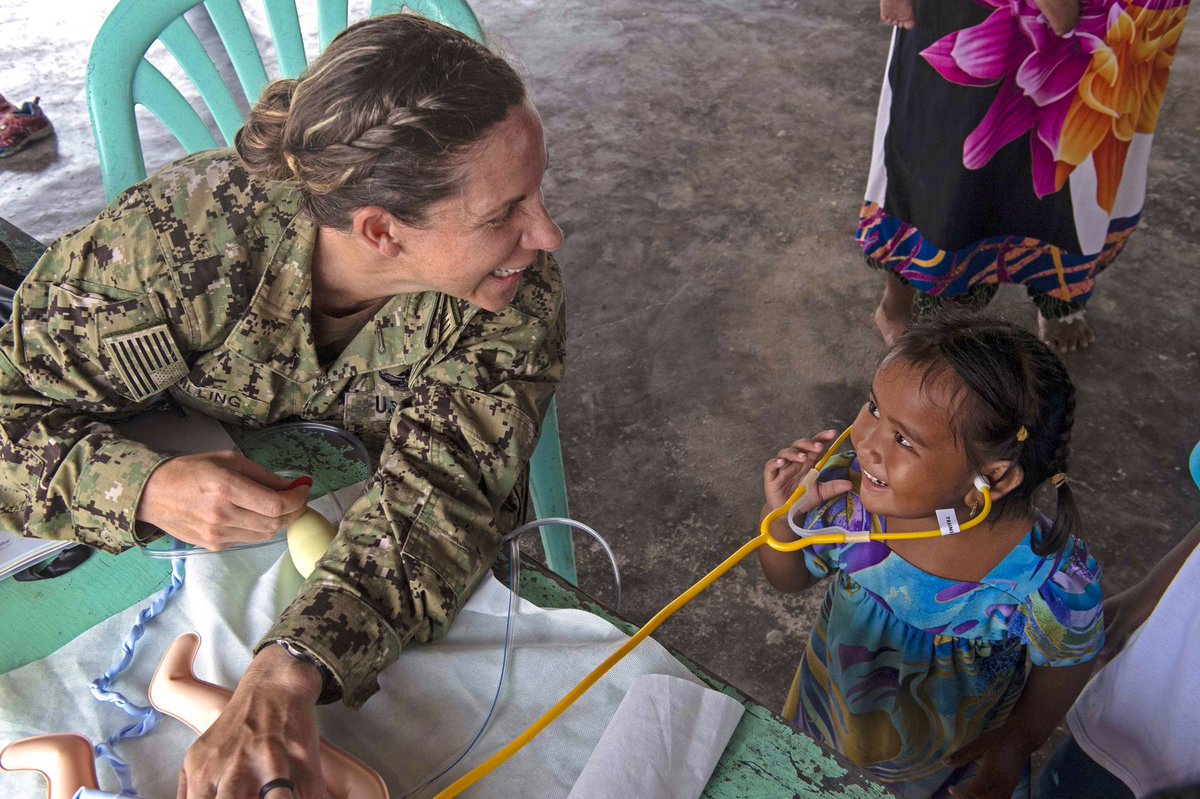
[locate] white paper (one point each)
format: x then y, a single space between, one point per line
17 552
663 742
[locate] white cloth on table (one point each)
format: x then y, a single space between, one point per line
432 701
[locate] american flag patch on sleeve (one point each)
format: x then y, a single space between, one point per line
146 361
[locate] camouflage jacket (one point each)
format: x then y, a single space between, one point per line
196 284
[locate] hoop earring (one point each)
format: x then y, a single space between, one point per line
974 510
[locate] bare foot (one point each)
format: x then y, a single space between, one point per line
1065 335
1062 15
903 14
894 313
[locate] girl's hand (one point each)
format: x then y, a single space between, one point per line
783 473
786 571
1001 755
216 499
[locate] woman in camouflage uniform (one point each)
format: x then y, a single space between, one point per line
374 255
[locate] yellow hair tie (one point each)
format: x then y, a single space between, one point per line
1059 479
1022 434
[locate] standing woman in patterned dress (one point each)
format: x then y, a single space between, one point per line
1011 147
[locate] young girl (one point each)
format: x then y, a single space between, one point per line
933 655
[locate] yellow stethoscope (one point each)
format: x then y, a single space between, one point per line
948 525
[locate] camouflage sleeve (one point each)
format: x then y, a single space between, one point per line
411 551
64 472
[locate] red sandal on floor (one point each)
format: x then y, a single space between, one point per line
20 126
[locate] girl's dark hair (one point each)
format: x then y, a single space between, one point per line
382 117
1006 379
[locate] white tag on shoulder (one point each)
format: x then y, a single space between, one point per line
948 521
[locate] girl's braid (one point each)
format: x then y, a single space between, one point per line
1064 437
1056 387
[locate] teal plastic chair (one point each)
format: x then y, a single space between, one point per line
119 77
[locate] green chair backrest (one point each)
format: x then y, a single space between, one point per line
119 77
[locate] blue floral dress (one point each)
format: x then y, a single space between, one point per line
904 667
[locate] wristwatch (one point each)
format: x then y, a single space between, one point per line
330 692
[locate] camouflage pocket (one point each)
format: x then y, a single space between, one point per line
369 404
126 339
456 549
82 319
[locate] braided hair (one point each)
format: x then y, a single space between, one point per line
1015 402
383 117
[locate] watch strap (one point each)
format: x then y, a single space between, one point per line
330 691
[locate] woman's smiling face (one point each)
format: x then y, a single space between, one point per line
912 463
478 242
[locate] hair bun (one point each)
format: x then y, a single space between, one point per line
260 141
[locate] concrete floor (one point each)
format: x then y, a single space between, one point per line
708 161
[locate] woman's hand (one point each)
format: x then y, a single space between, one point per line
216 499
1001 755
1123 614
1061 15
783 473
268 731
